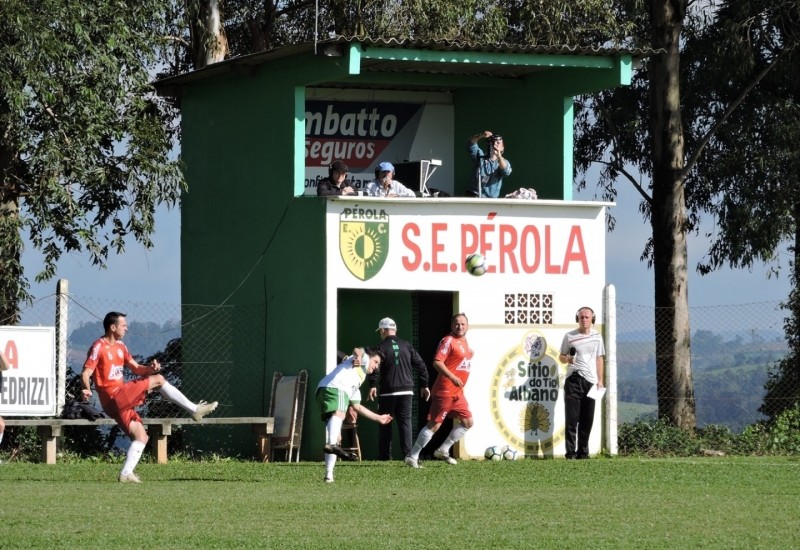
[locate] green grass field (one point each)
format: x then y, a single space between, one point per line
729 502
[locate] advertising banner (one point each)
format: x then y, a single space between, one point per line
29 386
366 133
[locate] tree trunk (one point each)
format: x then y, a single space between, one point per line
668 219
209 43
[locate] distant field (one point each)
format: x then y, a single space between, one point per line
627 413
599 503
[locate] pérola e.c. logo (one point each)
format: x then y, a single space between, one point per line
364 240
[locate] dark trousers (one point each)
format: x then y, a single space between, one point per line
579 412
399 406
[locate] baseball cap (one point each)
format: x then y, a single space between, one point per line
386 322
386 167
339 166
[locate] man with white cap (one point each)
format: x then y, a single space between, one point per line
384 184
397 387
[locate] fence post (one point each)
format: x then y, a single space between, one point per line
610 325
62 326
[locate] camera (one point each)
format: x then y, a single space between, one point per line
494 138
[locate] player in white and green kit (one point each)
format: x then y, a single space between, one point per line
338 390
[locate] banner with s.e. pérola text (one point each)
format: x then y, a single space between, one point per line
545 259
422 243
29 385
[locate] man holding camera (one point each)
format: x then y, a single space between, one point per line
491 168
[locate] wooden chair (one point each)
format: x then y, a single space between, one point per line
353 442
287 406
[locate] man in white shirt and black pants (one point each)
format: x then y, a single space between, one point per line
584 351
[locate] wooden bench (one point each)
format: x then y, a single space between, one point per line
159 429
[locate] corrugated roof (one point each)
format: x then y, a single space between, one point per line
401 64
464 46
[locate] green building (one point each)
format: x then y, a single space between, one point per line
268 260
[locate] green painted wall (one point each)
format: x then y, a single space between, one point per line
248 241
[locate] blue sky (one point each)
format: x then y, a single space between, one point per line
154 275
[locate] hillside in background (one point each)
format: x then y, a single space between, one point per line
729 371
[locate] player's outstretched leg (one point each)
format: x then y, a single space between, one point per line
174 395
203 409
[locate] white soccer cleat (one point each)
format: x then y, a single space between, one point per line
413 462
442 455
129 478
203 409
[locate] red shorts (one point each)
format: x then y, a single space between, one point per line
120 404
455 406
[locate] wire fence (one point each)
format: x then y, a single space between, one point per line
193 343
734 351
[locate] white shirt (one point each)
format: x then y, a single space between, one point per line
376 189
346 378
588 348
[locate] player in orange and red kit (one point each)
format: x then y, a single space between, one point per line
107 360
452 362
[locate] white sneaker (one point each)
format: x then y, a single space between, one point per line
328 479
129 478
203 409
442 455
413 462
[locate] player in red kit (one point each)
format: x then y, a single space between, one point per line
107 359
452 362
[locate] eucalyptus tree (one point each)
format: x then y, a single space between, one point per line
84 142
751 180
663 141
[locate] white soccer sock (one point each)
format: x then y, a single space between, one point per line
333 430
424 437
132 459
330 461
455 434
174 394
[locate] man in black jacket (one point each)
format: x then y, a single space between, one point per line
336 183
397 387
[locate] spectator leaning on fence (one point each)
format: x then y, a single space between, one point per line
107 360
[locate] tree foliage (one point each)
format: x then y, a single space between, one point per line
84 141
751 176
728 153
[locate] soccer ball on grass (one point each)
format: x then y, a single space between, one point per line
510 453
495 452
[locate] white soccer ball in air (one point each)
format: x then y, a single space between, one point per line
495 452
475 264
510 453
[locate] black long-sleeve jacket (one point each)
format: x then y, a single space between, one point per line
396 372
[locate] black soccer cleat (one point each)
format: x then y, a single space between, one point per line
338 451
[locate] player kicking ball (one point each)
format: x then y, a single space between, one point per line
338 390
106 362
